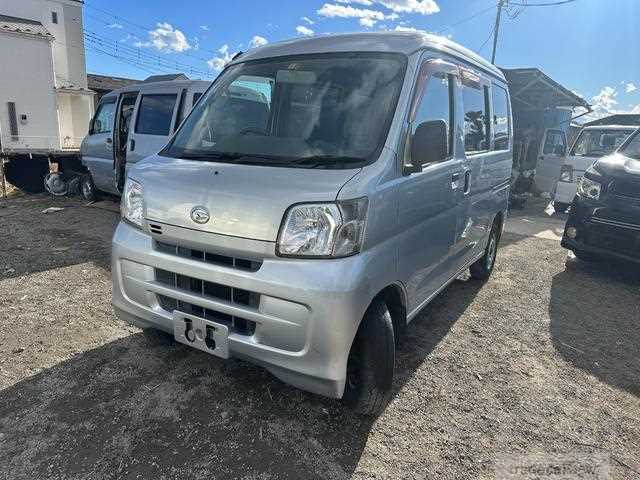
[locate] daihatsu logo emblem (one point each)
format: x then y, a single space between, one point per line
200 214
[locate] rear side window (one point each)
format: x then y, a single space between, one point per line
155 113
476 131
436 104
196 97
501 127
103 120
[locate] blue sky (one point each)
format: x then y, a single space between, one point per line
590 46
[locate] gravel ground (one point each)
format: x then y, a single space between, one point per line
541 359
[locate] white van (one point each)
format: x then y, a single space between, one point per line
130 124
591 144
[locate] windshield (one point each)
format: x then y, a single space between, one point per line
598 143
632 149
329 110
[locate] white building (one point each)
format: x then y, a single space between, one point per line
45 105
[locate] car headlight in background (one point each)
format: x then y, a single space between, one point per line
566 174
589 188
323 230
132 206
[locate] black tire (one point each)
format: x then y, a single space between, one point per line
87 188
371 362
585 256
482 268
560 207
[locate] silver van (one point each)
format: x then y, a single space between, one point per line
319 195
130 124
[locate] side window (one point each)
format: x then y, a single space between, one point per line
103 121
476 118
501 127
155 113
196 97
437 104
554 143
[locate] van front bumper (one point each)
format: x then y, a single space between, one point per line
305 313
602 230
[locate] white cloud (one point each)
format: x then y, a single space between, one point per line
116 26
605 104
423 7
306 31
630 87
365 16
359 2
257 41
166 39
307 20
218 63
204 27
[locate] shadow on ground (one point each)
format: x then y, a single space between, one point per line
142 406
595 314
32 241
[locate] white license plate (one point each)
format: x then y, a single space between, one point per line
205 335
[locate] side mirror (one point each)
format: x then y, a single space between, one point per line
429 143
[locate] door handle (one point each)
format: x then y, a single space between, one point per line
109 143
132 145
467 182
455 181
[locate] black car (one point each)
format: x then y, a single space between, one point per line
605 215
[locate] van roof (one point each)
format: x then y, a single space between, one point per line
631 128
397 42
149 85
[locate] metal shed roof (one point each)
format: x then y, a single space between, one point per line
23 25
104 83
535 90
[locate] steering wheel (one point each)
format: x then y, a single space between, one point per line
254 131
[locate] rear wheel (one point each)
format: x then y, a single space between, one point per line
482 268
371 362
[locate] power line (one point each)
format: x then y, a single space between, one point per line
550 4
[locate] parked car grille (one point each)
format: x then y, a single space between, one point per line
609 237
626 188
208 257
208 290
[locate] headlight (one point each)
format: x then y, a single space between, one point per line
132 206
566 174
589 189
323 230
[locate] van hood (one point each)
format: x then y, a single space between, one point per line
618 165
247 201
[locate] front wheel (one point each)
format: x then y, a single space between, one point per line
88 189
482 268
371 362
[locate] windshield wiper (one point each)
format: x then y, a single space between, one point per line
326 160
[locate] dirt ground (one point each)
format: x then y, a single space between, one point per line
541 359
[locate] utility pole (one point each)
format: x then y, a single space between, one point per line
496 31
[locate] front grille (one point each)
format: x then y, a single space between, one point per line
616 239
210 290
208 257
626 188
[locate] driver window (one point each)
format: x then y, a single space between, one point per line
436 104
103 120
